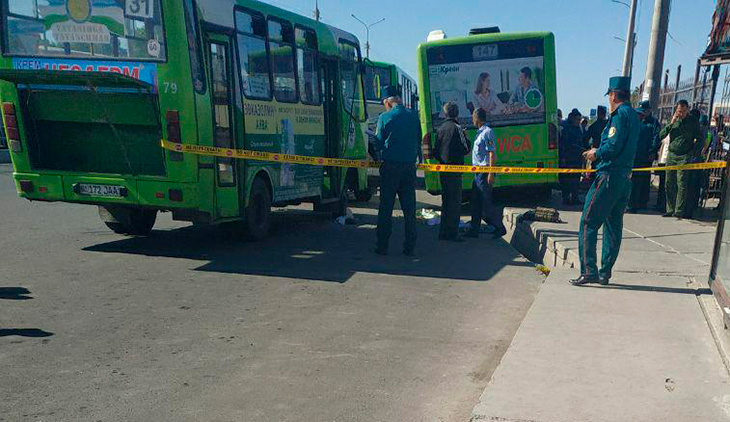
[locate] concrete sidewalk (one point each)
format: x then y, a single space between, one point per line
642 349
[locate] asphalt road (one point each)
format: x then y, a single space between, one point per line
193 324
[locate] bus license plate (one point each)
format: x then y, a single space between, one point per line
100 190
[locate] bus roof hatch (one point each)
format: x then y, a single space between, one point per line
482 31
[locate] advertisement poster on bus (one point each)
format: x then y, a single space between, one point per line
511 91
145 72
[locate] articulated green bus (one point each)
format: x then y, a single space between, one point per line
512 77
378 76
90 87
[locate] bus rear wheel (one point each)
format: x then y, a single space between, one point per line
258 211
128 221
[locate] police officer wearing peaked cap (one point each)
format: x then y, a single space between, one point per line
609 195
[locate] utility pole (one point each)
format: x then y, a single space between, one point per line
367 31
317 15
657 44
630 41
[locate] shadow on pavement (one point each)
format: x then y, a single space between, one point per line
306 245
14 293
24 332
657 289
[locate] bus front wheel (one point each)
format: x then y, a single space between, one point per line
258 211
128 221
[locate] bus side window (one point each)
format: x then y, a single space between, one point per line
253 56
281 47
194 47
308 66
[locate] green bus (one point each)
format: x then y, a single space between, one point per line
511 76
89 88
379 75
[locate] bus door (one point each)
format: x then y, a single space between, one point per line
332 116
218 48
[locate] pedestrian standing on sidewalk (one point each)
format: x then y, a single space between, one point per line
610 193
683 131
484 155
572 147
645 156
398 141
451 147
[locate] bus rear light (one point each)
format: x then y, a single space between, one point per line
11 127
26 186
160 195
426 147
175 195
173 132
552 136
42 189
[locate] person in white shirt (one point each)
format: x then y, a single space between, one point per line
484 154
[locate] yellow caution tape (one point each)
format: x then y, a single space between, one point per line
437 168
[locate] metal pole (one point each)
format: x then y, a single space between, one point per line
657 45
675 98
630 35
367 31
713 89
696 82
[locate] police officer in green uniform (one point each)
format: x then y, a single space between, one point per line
609 195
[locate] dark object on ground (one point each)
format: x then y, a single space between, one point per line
547 215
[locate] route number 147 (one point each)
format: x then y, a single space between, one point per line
140 8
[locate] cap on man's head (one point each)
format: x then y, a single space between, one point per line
602 109
645 105
575 112
619 83
391 91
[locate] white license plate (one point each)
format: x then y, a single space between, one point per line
100 190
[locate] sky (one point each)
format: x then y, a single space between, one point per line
587 52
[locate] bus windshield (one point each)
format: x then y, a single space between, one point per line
117 29
371 87
506 79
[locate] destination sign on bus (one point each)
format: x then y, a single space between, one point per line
145 72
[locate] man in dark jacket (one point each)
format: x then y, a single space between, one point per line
595 130
683 131
572 147
646 151
451 147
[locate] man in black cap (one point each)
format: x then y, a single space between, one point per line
646 152
571 156
399 141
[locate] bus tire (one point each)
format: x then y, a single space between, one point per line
129 221
258 211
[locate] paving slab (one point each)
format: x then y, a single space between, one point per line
617 353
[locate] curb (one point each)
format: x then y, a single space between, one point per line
536 244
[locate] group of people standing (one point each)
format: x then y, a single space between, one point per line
680 142
398 140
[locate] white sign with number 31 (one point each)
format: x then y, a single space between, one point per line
140 8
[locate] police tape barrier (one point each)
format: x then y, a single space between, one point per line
438 168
